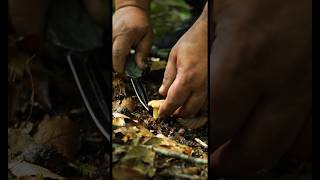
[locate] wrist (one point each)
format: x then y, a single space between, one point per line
141 4
202 21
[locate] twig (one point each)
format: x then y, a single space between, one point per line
183 176
173 154
201 143
28 69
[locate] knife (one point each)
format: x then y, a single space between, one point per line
93 83
134 73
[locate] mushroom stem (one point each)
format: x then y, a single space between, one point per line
155 113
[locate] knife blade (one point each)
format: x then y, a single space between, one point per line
91 85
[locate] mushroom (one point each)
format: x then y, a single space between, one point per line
155 104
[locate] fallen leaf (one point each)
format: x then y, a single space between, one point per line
133 133
164 142
37 177
118 87
125 105
138 163
118 121
23 168
128 103
59 132
18 140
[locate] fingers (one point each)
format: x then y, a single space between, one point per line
192 105
169 74
143 49
177 95
120 49
272 130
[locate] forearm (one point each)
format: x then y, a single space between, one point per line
203 18
143 4
202 21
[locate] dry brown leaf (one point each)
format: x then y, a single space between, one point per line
116 105
23 168
128 103
119 115
164 142
125 105
133 133
118 121
18 140
59 132
118 87
138 163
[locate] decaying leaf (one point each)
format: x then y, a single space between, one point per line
37 177
155 104
164 142
23 168
128 103
124 105
118 87
118 122
118 119
119 115
18 140
133 133
193 123
59 132
139 161
86 169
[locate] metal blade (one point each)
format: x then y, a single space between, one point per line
91 92
140 92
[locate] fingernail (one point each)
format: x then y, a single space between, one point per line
161 89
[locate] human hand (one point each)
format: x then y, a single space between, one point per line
131 29
185 80
260 83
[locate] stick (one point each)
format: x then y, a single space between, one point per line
201 143
173 154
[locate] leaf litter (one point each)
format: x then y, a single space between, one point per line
42 144
146 146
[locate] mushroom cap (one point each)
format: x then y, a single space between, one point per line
155 103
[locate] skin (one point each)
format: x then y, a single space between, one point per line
187 66
130 33
260 71
185 81
260 84
260 75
